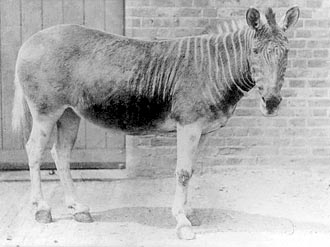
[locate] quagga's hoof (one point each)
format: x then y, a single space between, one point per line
194 219
43 216
84 217
185 233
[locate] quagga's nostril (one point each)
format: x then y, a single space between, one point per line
273 103
263 99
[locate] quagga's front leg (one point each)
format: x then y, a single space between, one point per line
187 142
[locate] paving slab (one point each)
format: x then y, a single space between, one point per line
237 206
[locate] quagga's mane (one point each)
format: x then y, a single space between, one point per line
224 27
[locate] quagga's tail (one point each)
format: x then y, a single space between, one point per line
21 115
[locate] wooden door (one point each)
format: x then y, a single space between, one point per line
19 19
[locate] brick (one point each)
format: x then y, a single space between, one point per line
263 151
294 151
311 23
189 12
298 142
141 12
318 122
215 141
162 3
288 92
247 112
234 161
321 151
319 103
297 103
280 123
300 112
293 132
223 132
256 141
230 141
303 34
209 13
134 22
315 44
317 63
230 150
163 142
319 141
184 3
304 53
240 132
297 44
306 13
246 102
136 3
241 122
318 132
319 112
202 22
321 34
272 132
297 83
202 3
314 3
319 83
321 53
298 63
281 141
255 132
297 122
318 93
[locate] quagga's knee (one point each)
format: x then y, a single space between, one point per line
183 176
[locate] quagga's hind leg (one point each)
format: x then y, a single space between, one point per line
67 130
187 142
41 130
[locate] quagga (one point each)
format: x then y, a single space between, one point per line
189 84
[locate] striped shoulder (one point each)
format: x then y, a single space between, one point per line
224 26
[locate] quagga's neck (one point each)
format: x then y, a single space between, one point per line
221 62
232 52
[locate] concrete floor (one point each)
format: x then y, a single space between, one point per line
238 206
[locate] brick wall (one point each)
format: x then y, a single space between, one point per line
300 134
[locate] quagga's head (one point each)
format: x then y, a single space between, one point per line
269 55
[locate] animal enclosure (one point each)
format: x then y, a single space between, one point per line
19 20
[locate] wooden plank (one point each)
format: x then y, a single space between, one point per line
0 80
115 140
73 165
73 11
77 175
52 13
31 18
95 136
94 17
10 43
95 14
114 16
81 159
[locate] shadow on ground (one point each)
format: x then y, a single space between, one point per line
211 219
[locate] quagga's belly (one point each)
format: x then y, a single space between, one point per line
129 113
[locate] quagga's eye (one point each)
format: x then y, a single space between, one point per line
255 50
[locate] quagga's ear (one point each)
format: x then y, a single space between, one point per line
290 19
253 18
